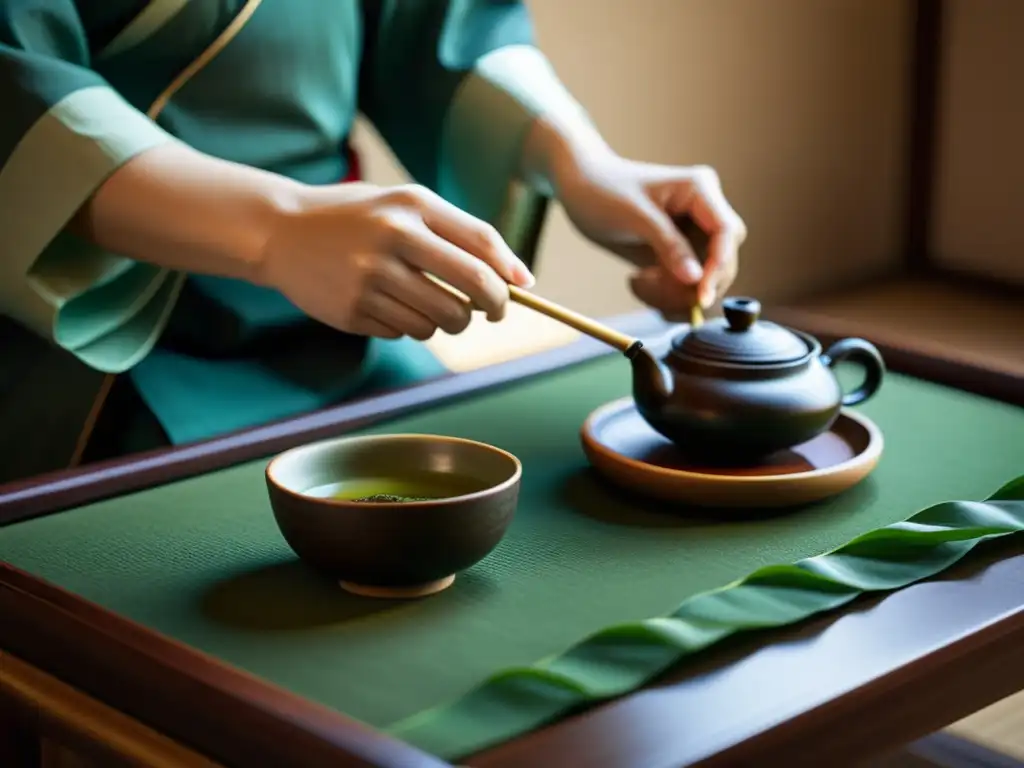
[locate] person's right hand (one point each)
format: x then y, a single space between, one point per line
356 257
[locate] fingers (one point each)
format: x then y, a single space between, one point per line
366 326
466 231
377 307
399 301
425 250
673 251
704 201
435 237
657 290
420 293
478 238
720 269
709 208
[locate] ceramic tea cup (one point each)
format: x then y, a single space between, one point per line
393 515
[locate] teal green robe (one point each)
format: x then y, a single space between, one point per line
450 85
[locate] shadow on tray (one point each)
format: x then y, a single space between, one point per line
289 596
588 493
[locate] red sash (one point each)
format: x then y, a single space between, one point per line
354 167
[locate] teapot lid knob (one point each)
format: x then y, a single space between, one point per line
741 312
741 338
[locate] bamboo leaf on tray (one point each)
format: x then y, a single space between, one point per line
622 658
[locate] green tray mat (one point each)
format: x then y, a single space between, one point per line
201 560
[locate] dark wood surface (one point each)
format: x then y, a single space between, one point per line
925 74
907 353
860 682
19 743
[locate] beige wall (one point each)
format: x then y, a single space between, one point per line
799 104
978 222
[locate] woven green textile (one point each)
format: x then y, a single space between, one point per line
202 561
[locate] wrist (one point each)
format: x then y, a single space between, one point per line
556 149
276 208
290 211
177 208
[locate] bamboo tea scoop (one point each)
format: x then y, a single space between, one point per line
622 342
652 381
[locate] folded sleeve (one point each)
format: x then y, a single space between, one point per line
64 131
453 87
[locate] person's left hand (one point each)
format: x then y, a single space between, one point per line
628 207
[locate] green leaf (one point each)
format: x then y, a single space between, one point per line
622 658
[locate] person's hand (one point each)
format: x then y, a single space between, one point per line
357 257
629 208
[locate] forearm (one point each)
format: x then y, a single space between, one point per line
178 208
515 106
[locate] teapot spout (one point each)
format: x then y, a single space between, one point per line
652 384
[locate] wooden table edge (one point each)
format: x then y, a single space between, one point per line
66 716
126 665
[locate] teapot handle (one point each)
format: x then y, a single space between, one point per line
864 354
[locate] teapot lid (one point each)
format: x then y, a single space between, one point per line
740 337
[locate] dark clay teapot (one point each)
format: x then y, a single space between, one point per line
738 388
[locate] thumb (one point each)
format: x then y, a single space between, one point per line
673 251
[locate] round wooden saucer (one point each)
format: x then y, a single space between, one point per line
621 445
